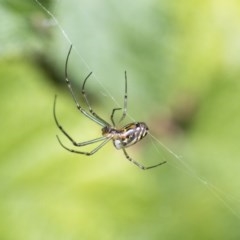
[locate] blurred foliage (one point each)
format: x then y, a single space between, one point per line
183 63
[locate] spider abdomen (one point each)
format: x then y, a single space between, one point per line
126 136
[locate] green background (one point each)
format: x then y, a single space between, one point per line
183 65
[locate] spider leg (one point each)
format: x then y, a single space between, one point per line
125 99
88 104
138 164
85 153
68 136
125 105
94 118
112 115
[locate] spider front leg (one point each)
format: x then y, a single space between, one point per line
94 117
138 164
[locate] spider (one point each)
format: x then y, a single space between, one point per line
121 137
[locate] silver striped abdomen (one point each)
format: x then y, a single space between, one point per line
129 135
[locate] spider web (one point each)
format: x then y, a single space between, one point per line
164 151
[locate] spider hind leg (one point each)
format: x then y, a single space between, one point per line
138 164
